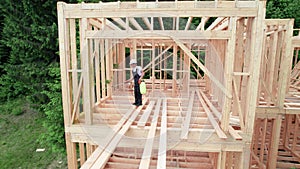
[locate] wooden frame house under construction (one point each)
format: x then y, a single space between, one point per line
223 85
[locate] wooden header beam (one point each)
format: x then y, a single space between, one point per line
157 34
161 9
198 12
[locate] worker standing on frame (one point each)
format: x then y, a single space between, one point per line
137 76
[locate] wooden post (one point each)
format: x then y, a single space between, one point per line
103 78
82 153
71 151
174 70
273 152
229 63
87 73
63 64
122 63
108 66
255 60
256 48
97 70
153 65
74 63
286 64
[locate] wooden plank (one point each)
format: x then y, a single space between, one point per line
174 75
296 133
202 23
111 13
260 164
82 153
234 133
215 23
273 152
238 105
202 67
87 73
188 23
161 23
122 23
263 140
97 70
158 34
286 64
71 151
219 160
287 130
88 150
146 114
245 80
108 65
212 120
104 157
229 64
105 23
77 100
186 123
148 24
271 66
146 157
224 159
63 61
211 106
74 62
102 56
135 23
164 5
153 65
108 139
256 48
162 150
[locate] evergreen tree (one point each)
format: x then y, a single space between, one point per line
29 33
284 9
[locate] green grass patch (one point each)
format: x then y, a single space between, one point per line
20 128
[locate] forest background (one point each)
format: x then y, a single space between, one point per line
31 114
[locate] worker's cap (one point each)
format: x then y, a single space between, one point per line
132 61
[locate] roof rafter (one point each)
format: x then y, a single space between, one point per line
135 23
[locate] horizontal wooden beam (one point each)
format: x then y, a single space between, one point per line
272 112
277 21
157 34
164 4
161 13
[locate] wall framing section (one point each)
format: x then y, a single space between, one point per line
218 109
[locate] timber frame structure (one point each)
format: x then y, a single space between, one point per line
223 85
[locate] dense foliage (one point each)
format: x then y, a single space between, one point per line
284 9
28 49
29 61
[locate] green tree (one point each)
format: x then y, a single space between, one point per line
28 49
29 34
284 9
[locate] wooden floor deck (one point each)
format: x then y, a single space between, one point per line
190 131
